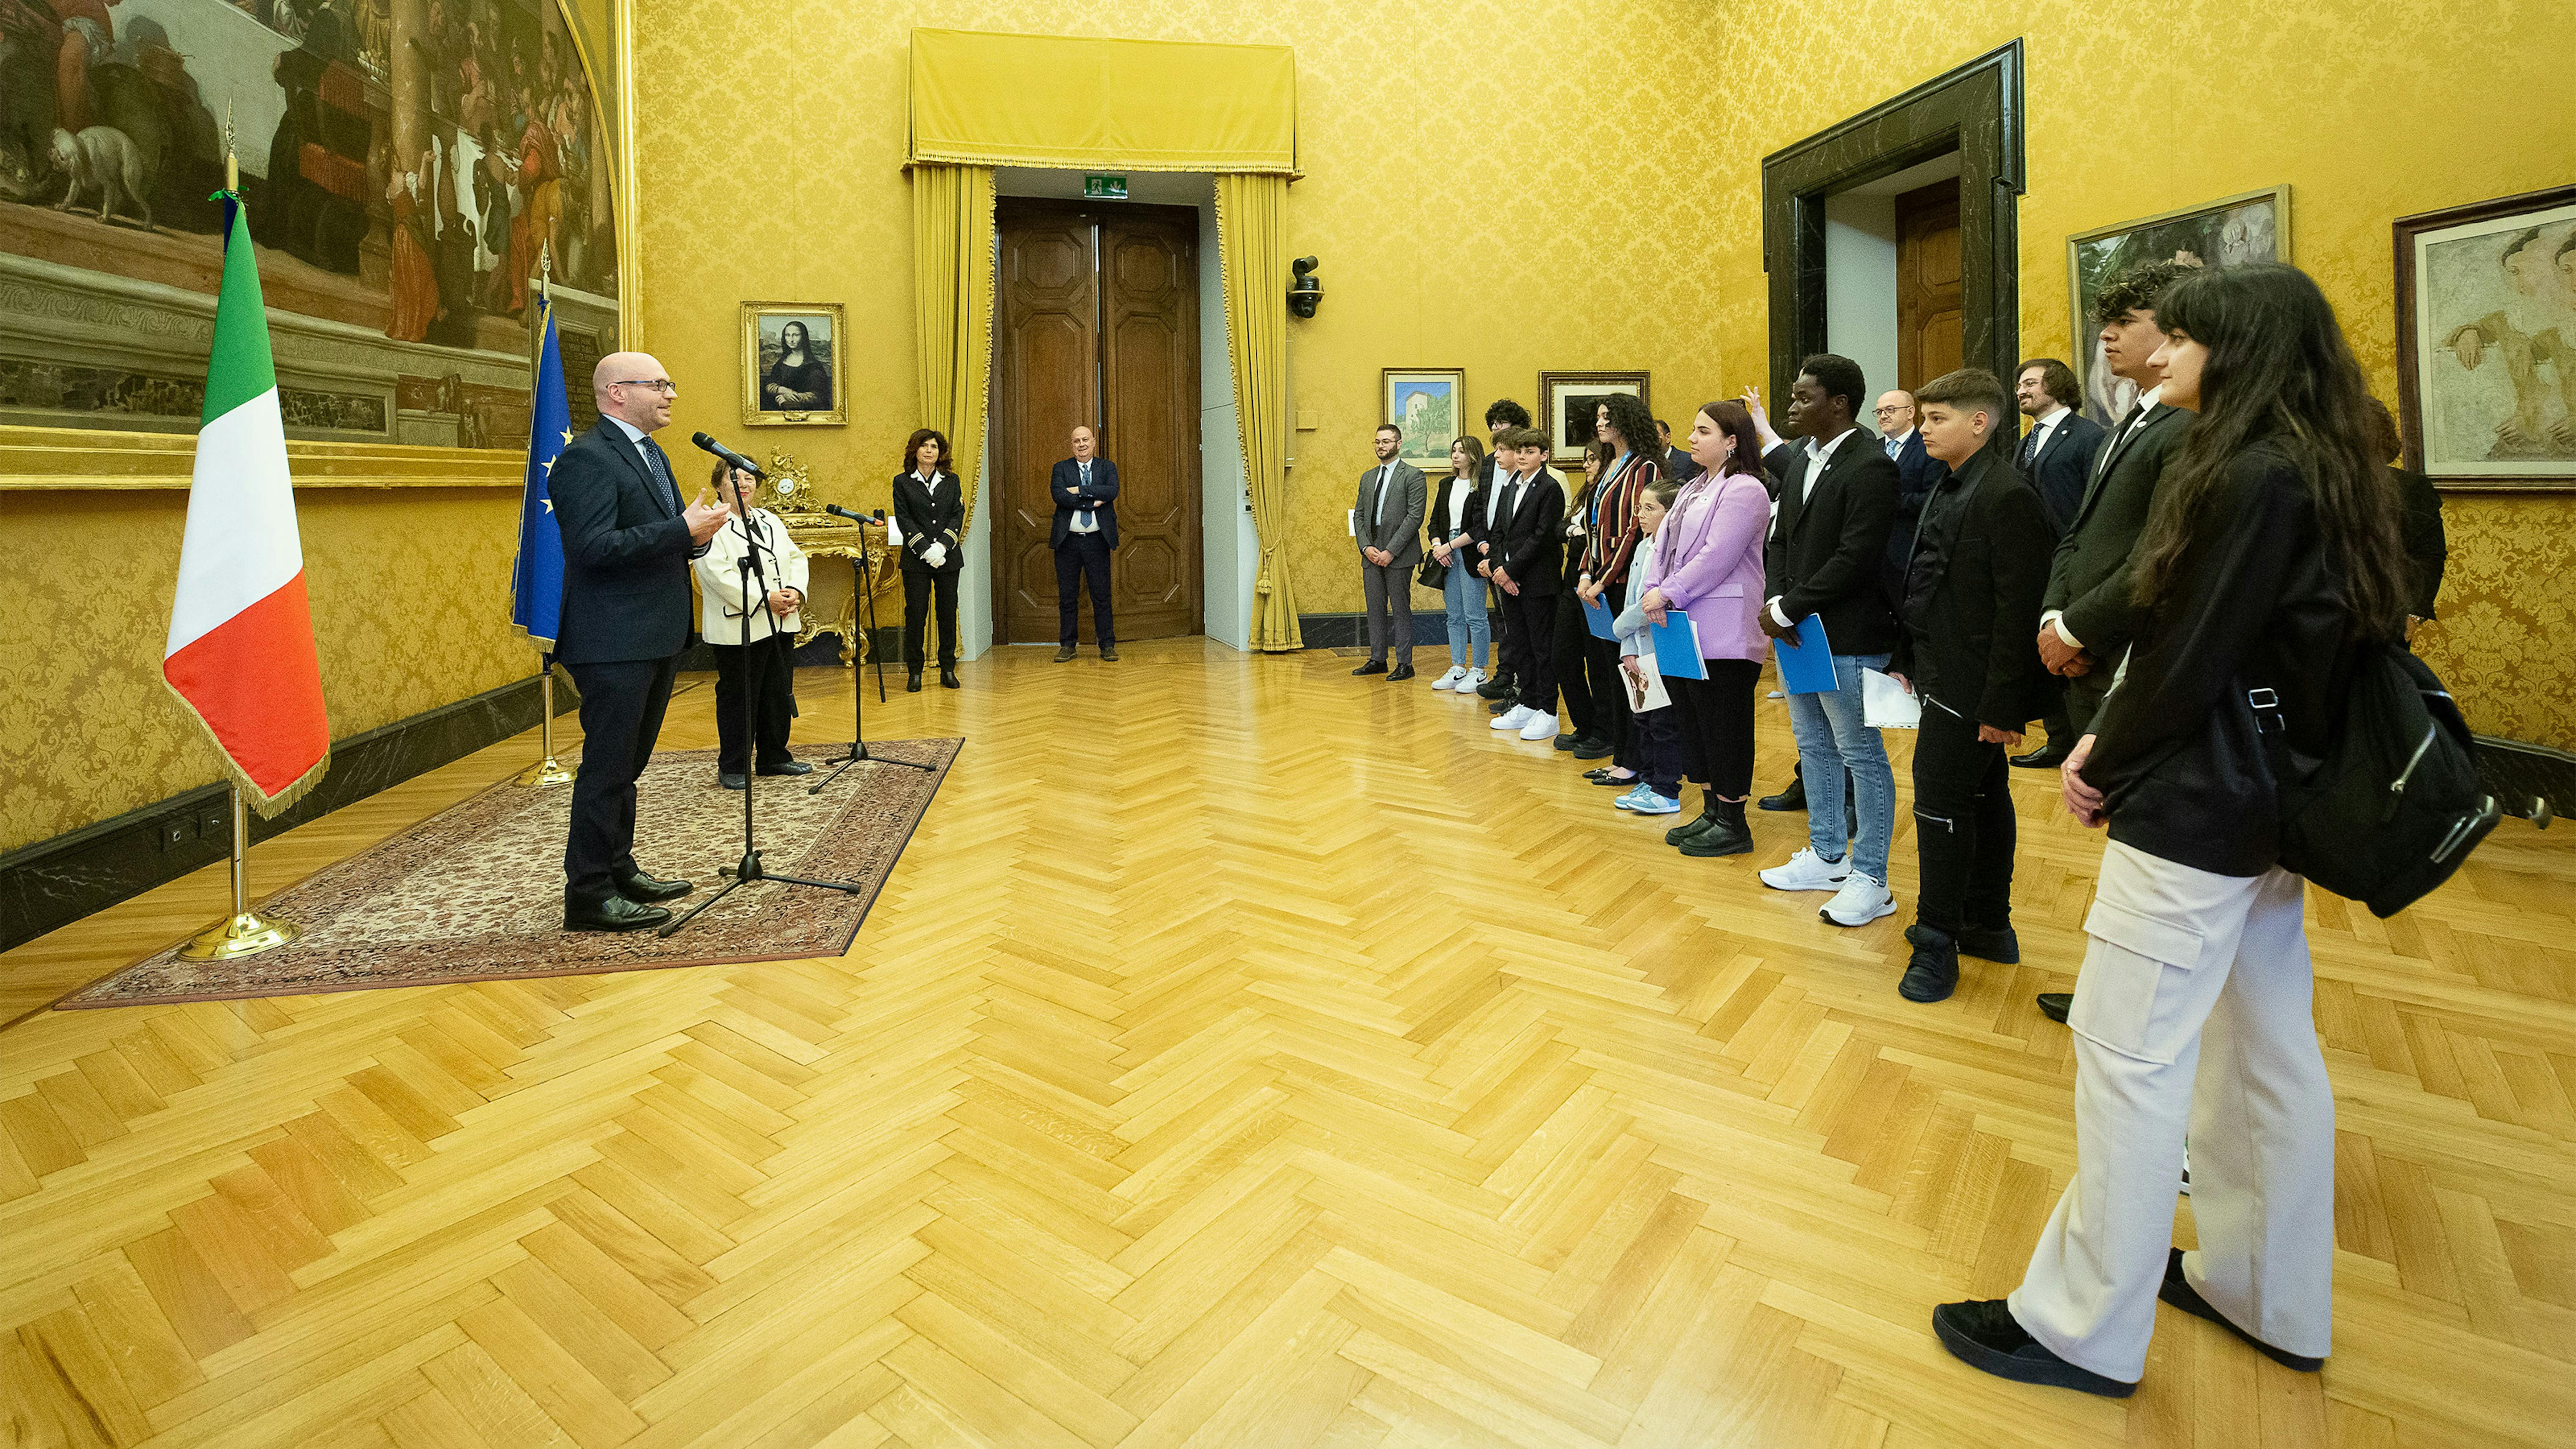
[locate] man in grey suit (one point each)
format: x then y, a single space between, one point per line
1386 520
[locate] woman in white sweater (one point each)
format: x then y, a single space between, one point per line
760 670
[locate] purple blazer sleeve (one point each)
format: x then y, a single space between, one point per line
1724 528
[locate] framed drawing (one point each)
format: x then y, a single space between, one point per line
2486 341
2252 227
791 370
1424 402
1569 401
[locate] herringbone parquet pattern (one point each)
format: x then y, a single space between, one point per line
1242 1055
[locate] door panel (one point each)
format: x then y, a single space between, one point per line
1930 308
1098 322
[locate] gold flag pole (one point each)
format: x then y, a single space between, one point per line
546 771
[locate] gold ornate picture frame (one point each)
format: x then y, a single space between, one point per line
1568 402
791 365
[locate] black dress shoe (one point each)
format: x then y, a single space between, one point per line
2177 1290
1933 973
788 767
616 913
1998 945
1399 672
1594 748
1725 834
1569 739
912 681
1984 1334
733 782
948 676
1374 666
2047 757
1613 781
645 890
1793 798
2055 1004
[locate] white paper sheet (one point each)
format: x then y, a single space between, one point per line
1888 705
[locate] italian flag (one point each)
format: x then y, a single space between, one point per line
241 635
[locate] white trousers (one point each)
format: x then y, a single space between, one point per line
2194 1011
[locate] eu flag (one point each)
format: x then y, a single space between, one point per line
537 580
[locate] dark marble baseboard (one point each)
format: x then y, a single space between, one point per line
2527 779
55 882
1340 631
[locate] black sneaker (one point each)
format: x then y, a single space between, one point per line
2177 1290
1498 687
1983 1334
1998 945
1933 973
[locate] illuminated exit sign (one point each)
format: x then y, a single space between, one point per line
1105 188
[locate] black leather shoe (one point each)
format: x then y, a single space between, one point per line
788 767
1570 739
2177 1290
1399 672
2047 757
1687 829
1933 973
2055 1004
1999 945
912 681
733 782
1793 798
1498 687
1592 748
616 913
1613 781
1374 666
1725 834
948 676
1984 1334
644 890
1064 654
1109 652
1503 705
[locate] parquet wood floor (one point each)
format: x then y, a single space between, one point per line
1243 1054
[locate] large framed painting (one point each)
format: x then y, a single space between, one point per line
413 172
2251 227
791 364
2486 341
1569 403
1423 402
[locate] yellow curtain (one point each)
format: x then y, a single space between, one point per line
1128 105
952 249
1251 242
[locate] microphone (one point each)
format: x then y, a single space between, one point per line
731 458
838 511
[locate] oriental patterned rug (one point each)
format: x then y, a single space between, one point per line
475 893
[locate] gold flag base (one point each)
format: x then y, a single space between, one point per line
545 772
243 934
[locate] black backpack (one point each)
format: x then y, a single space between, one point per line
2395 805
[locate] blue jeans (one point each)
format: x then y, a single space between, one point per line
1465 594
1831 739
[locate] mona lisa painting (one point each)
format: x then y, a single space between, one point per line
791 364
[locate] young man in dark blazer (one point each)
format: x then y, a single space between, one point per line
2056 455
1386 524
1503 416
1527 563
627 542
1972 589
1827 550
1084 535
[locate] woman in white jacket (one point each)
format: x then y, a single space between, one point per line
760 670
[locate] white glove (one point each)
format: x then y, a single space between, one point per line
935 555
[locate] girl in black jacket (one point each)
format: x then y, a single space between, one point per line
2273 549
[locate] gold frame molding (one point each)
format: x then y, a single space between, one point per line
756 416
34 459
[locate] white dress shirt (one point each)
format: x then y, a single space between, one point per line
1817 458
652 465
1083 522
2056 618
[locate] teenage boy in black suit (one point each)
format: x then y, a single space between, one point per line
1526 562
1503 416
1972 591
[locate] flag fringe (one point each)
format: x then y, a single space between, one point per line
266 807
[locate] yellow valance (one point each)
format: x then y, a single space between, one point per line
1135 105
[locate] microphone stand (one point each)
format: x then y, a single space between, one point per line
749 868
864 581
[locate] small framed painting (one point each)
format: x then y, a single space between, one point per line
1423 403
2486 341
791 370
1570 405
2252 227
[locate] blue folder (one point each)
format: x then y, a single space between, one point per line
1807 662
1597 615
1677 647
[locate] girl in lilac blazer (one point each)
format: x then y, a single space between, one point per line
1707 562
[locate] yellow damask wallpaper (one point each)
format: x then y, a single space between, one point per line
403 582
1499 187
2370 110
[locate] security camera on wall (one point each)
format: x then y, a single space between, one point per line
1304 293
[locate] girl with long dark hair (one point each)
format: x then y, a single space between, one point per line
1610 541
1707 563
2272 552
1453 507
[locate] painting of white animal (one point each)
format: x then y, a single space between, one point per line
107 158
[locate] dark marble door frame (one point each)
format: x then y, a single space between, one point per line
1975 110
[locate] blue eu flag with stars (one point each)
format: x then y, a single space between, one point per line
537 581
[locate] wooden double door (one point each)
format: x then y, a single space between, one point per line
1930 284
1097 321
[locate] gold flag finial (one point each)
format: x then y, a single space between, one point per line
232 164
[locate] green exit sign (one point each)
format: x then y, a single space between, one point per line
1111 188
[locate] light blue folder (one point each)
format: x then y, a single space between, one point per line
1807 662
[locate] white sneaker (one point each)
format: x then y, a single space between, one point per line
1807 871
1863 899
1514 718
1450 679
1775 694
1540 727
1473 681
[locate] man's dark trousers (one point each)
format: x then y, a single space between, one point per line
1083 556
1963 826
621 715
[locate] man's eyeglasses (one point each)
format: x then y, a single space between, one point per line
661 385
